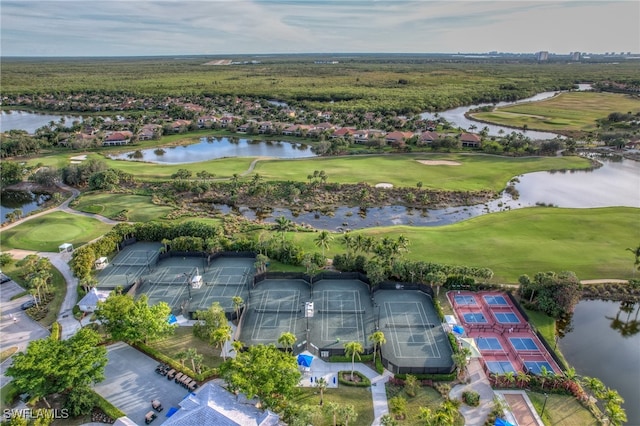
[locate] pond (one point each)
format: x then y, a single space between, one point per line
616 183
603 341
212 148
26 201
30 121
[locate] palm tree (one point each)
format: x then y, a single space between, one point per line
612 396
523 379
544 376
261 263
460 360
510 377
332 408
191 354
181 356
197 360
636 253
348 241
219 336
287 340
378 339
352 349
594 384
347 413
323 240
321 385
283 225
237 304
616 414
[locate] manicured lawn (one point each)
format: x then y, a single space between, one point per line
360 398
47 232
58 287
590 242
567 111
426 397
562 410
184 339
139 207
475 172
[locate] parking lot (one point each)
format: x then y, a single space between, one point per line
16 328
131 384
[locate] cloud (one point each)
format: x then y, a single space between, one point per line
142 27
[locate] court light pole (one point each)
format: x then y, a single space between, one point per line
544 405
188 283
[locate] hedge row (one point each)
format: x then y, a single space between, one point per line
108 408
433 377
205 375
363 383
55 331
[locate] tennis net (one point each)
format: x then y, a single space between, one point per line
151 258
341 311
277 311
421 325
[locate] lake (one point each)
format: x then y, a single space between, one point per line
600 344
30 121
213 148
616 183
26 201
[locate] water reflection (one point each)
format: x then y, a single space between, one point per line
627 325
211 148
24 201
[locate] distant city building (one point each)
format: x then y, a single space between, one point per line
542 56
575 56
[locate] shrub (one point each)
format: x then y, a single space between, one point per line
109 409
379 366
364 380
55 331
80 401
471 398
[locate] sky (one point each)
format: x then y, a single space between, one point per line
225 27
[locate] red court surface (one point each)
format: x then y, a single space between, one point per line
505 339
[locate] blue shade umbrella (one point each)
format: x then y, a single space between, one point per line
172 319
458 329
172 411
502 422
305 360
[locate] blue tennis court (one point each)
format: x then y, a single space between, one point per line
506 317
474 317
495 300
488 344
535 367
464 299
523 344
500 367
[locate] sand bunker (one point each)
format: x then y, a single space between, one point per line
439 163
384 185
79 158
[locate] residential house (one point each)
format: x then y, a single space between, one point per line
179 124
265 127
206 121
213 405
397 137
117 138
227 120
427 138
343 132
470 140
243 128
148 132
360 136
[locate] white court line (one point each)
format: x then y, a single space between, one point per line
359 321
397 349
281 300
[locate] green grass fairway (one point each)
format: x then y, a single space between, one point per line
475 172
590 242
47 232
567 111
140 208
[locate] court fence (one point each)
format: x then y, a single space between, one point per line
258 278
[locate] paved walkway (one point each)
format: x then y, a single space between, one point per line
329 370
475 416
523 412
